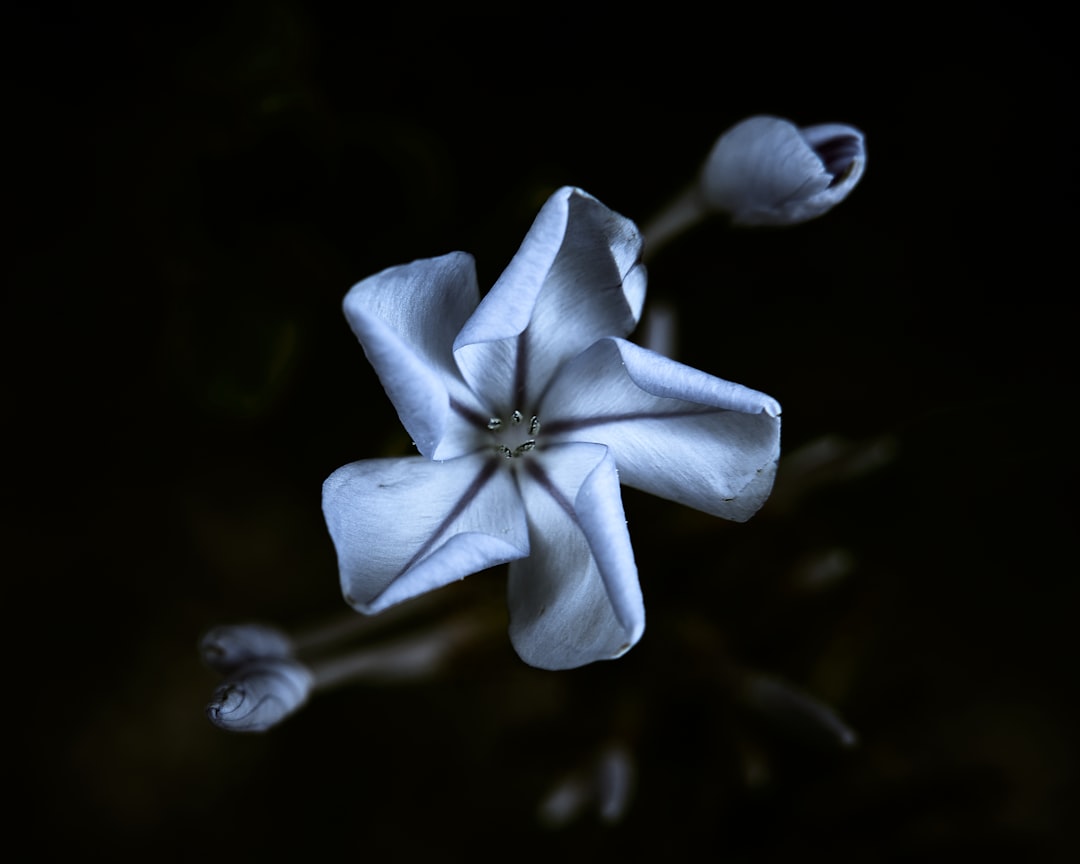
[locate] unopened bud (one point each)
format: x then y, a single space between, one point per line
797 713
228 647
768 171
260 695
605 783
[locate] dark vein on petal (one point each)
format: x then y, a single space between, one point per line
481 480
538 474
570 425
521 369
468 413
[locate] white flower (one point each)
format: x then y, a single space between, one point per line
528 409
767 171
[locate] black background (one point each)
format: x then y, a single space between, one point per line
190 196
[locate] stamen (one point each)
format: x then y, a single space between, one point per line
495 424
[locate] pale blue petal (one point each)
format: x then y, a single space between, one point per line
406 318
403 527
674 431
576 277
576 598
767 171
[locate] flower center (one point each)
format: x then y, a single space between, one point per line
518 427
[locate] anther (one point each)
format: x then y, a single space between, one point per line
494 423
515 418
524 448
534 425
505 451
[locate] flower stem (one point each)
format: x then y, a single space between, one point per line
351 624
680 214
413 656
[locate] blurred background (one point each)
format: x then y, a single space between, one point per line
191 196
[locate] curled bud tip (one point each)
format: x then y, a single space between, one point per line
768 171
229 647
260 695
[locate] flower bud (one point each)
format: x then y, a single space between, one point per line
767 171
615 784
228 647
606 783
260 695
797 713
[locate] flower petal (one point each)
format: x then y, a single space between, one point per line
674 431
402 527
576 598
576 277
406 318
767 171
